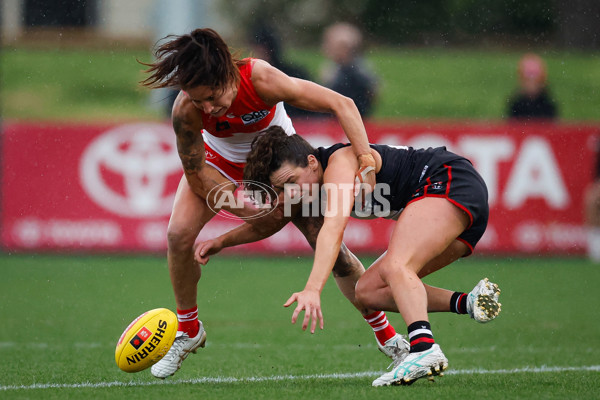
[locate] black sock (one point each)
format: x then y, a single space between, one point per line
420 336
458 303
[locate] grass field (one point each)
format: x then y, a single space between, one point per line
62 316
102 84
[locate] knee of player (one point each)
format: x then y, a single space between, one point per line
347 264
364 295
390 269
180 238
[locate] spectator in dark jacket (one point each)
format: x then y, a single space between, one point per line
347 72
532 100
265 45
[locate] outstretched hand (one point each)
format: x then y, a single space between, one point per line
203 250
310 302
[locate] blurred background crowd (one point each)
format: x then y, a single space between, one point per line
344 46
353 47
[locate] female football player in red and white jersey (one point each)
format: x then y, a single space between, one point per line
224 103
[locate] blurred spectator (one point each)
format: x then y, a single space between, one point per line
265 45
347 72
592 211
532 99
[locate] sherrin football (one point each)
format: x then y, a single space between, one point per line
146 340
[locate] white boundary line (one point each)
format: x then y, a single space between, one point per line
279 378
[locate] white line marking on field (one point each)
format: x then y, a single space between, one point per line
8 346
277 378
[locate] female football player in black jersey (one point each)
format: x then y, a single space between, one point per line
440 204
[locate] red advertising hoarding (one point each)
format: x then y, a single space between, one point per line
111 187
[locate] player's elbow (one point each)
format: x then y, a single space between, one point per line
344 105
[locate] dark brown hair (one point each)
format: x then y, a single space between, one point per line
273 148
200 58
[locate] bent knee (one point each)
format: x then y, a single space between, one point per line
390 270
364 294
180 238
347 264
371 289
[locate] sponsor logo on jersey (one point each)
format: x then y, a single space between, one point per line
209 155
223 126
254 117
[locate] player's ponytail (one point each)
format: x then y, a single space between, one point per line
200 58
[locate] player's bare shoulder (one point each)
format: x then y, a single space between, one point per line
184 112
343 158
260 68
271 84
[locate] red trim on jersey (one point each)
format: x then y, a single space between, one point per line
468 245
445 196
449 179
426 187
457 204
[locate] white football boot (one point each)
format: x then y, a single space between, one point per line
426 363
181 348
482 302
396 348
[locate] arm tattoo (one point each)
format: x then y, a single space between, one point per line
190 147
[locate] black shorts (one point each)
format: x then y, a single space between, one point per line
457 181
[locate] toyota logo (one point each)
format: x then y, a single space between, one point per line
126 170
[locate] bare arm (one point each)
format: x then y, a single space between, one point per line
187 124
339 178
242 234
274 86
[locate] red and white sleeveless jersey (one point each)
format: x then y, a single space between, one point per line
231 135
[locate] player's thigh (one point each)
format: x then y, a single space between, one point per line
453 252
190 213
372 282
424 230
